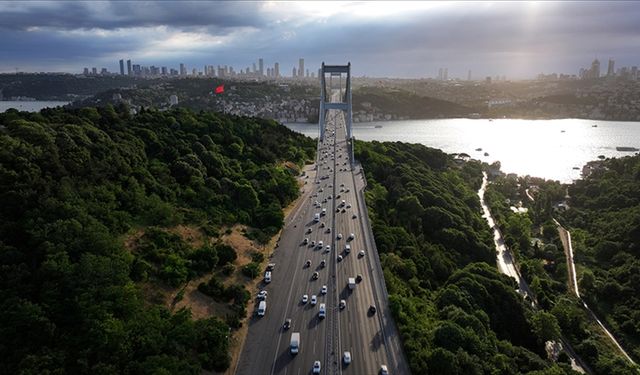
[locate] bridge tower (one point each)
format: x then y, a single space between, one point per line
343 104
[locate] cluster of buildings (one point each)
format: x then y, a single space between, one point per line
596 72
257 70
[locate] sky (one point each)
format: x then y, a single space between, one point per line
381 39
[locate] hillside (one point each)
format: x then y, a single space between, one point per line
456 313
101 211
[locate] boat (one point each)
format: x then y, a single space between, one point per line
594 126
561 131
479 149
630 149
576 168
486 154
378 126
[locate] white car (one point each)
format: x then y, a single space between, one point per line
343 304
339 258
384 370
262 295
339 236
324 289
361 253
317 367
327 249
323 311
352 236
346 357
314 299
305 298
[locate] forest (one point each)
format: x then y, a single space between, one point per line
603 217
75 182
456 313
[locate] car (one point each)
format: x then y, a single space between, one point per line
343 210
339 236
343 304
338 196
327 249
341 185
322 225
324 289
361 253
271 266
323 263
347 249
372 309
287 324
320 244
315 276
337 209
305 241
339 258
322 313
352 236
316 367
346 190
305 298
358 278
262 295
314 299
354 216
348 205
307 263
309 230
313 243
329 230
384 370
346 358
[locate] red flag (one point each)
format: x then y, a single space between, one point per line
220 89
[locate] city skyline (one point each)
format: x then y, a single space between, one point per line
404 40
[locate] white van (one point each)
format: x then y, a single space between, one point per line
323 311
262 308
267 277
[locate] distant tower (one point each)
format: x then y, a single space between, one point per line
276 69
129 72
595 69
440 74
610 71
121 67
293 73
261 66
183 70
301 67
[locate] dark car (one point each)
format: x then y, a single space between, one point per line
372 309
287 324
358 278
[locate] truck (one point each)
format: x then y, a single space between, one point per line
316 217
324 212
352 283
294 346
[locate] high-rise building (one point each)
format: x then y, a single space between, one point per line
164 70
94 71
121 67
129 72
307 74
276 68
595 69
85 71
183 70
293 73
610 68
104 71
261 67
440 74
301 67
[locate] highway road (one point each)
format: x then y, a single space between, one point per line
371 338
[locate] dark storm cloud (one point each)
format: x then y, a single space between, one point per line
123 14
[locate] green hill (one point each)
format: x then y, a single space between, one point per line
74 182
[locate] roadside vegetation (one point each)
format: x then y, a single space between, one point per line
92 202
603 217
456 313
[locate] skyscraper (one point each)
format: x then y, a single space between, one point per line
301 67
610 71
183 70
595 69
293 73
261 67
276 68
121 67
128 67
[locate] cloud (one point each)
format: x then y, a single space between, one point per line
410 39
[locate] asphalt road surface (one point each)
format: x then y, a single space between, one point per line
371 338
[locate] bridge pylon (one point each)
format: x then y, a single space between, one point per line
345 100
